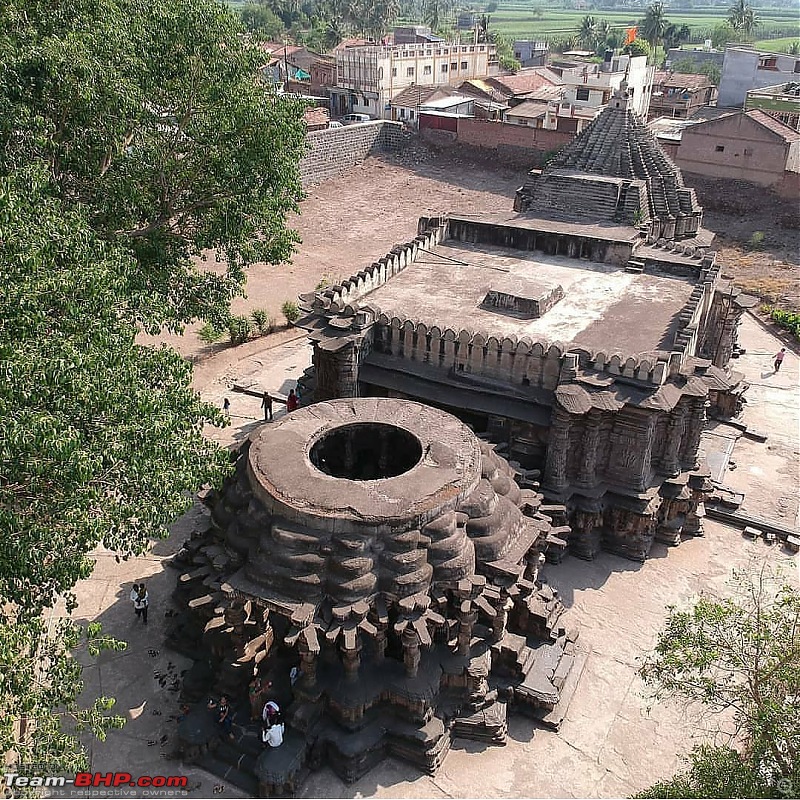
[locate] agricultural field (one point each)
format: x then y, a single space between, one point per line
531 20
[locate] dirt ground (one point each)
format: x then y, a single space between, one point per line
348 222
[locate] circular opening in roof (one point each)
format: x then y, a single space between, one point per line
366 451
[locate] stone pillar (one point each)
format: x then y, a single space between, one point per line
308 660
671 463
557 449
695 422
467 617
587 474
411 652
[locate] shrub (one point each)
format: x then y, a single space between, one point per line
239 329
262 321
290 311
790 320
210 334
757 240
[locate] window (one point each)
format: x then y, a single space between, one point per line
797 66
380 73
768 62
394 72
426 70
748 151
463 65
720 148
454 67
582 94
409 72
518 55
444 67
411 114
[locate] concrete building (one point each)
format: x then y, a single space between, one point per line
745 68
590 85
407 106
368 78
530 53
585 335
679 95
748 146
781 101
697 57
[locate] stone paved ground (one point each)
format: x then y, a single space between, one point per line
610 744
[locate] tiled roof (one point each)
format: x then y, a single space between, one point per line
316 118
529 109
527 80
681 80
419 95
775 125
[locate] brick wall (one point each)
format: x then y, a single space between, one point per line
335 150
511 144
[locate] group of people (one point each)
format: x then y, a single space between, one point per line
266 710
140 600
292 403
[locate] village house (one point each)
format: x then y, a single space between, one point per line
678 95
745 68
746 145
781 101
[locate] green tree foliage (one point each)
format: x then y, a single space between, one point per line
259 18
149 115
133 135
654 25
638 47
742 17
505 51
39 686
738 656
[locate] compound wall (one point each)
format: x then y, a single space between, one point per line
335 150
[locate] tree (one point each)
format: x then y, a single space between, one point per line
676 35
638 47
738 656
505 52
654 24
742 17
149 114
133 136
260 18
723 34
588 32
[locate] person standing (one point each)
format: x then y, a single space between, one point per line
142 603
134 595
257 691
779 356
226 407
225 716
291 401
266 404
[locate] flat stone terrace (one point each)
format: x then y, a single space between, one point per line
604 307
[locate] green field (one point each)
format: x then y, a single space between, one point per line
515 19
777 45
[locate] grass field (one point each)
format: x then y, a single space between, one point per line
777 45
515 19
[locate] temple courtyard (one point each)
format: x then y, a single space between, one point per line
613 742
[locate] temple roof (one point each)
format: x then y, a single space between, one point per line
617 143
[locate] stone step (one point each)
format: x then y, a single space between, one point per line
223 770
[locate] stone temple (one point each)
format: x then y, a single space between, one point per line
499 391
390 555
585 334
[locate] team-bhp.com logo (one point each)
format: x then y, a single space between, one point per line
86 780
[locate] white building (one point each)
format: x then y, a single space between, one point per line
368 78
590 85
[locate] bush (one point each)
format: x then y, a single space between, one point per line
239 329
790 320
262 321
757 240
210 334
290 311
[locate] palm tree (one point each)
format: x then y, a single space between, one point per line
654 24
588 32
675 35
742 17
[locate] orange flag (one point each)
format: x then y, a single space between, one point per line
630 34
